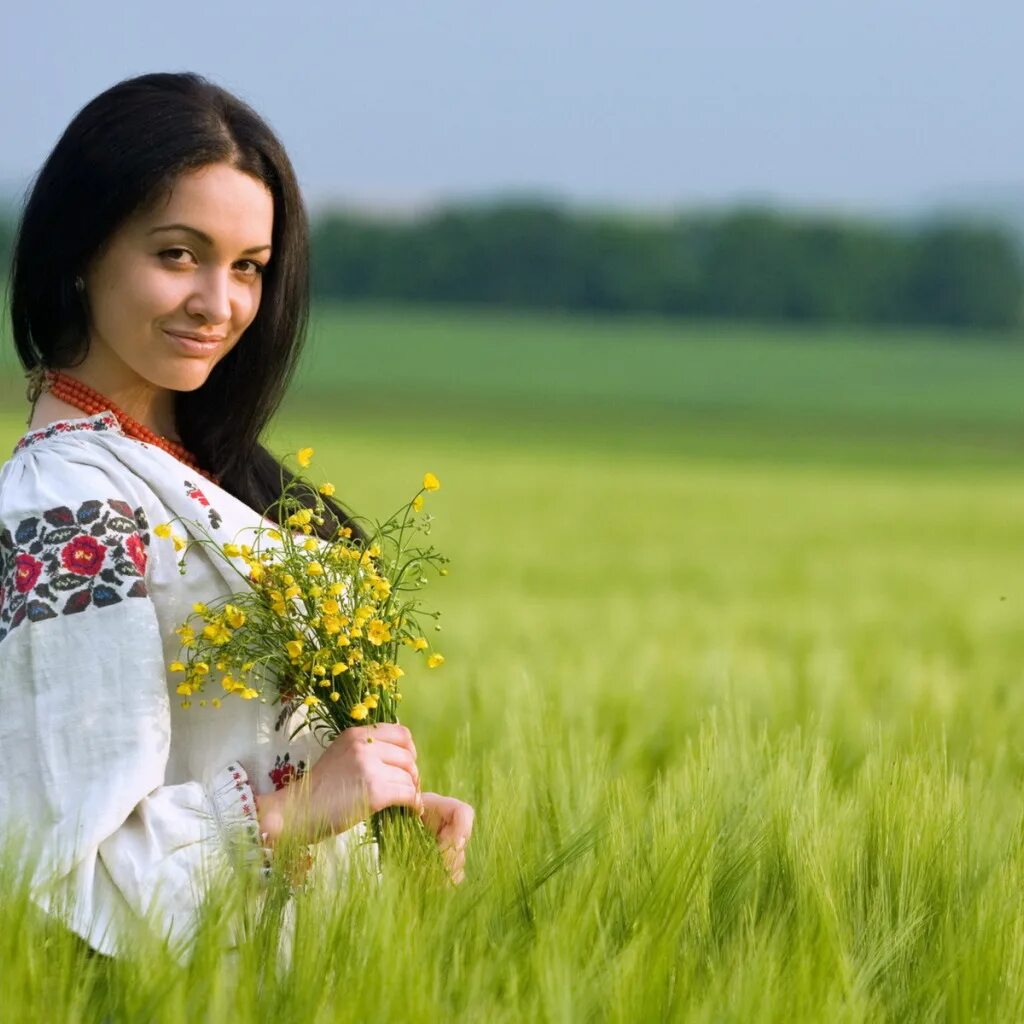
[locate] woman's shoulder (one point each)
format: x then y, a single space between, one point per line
65 462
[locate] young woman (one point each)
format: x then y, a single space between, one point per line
159 296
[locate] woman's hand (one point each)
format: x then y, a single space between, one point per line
451 821
362 771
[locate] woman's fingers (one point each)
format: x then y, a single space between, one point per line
392 787
458 825
386 732
398 757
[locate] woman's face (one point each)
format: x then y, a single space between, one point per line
177 284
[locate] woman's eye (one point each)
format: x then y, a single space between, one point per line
252 268
172 254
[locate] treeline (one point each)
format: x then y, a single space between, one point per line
752 264
748 264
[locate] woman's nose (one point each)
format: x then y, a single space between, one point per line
211 299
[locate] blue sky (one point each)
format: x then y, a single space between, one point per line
865 104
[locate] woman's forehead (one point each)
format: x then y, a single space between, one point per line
220 202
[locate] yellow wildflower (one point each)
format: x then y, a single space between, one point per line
184 689
163 530
274 534
435 660
179 543
314 569
305 457
338 667
370 700
176 666
294 648
199 608
420 643
378 633
235 616
248 666
335 696
311 544
336 589
200 668
417 503
319 670
327 490
187 634
311 701
232 550
256 572
215 702
358 712
217 633
430 482
292 592
248 693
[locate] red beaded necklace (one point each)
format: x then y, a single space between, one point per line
91 402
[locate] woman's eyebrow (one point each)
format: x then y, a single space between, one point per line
202 236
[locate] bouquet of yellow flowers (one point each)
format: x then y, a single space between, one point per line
319 622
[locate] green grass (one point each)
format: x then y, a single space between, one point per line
741 725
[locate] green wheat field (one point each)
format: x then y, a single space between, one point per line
735 681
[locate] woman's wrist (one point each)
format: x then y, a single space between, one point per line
271 817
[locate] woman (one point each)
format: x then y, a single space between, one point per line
159 296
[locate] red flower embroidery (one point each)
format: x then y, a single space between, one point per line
83 556
136 552
199 496
26 572
285 772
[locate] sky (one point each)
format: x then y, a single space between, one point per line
860 104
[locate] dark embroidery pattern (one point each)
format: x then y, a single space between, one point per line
67 559
102 421
197 495
289 703
285 771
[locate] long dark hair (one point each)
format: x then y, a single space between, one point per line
119 152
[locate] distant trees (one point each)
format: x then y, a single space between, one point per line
743 263
752 264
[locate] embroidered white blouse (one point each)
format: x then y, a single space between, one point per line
132 798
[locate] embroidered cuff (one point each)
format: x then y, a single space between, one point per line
235 805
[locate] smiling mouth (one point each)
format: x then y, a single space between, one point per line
214 339
190 345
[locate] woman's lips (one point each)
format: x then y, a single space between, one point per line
192 346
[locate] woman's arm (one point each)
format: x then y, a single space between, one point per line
85 724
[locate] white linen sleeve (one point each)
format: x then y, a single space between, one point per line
85 720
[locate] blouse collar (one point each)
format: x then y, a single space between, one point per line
102 421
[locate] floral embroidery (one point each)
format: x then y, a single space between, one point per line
67 559
102 421
197 495
285 771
